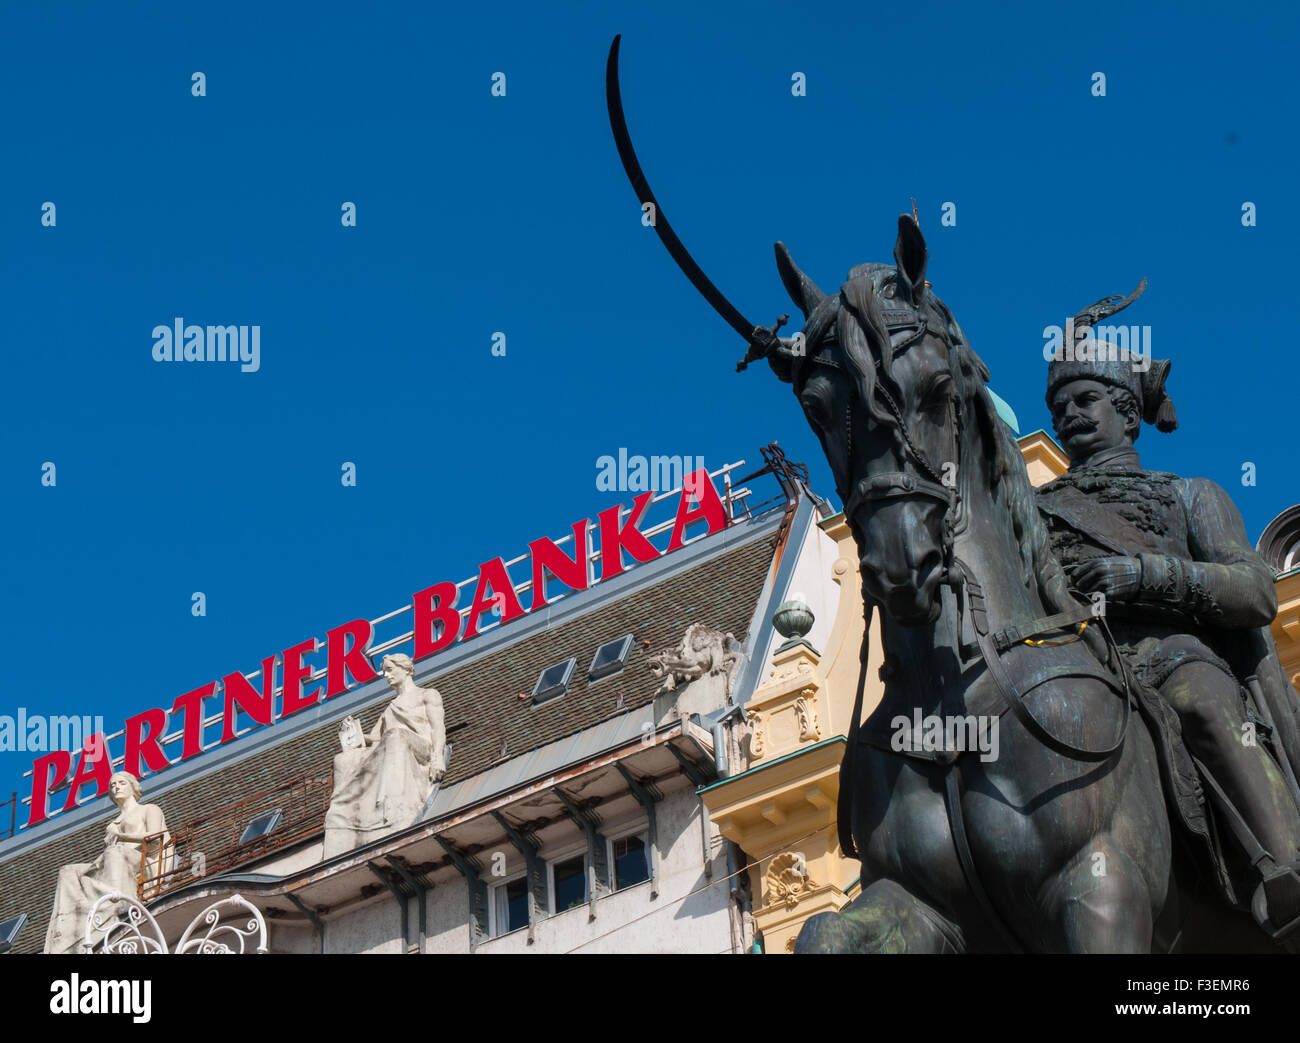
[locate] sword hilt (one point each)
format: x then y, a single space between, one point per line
761 342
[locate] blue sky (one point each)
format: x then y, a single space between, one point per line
478 214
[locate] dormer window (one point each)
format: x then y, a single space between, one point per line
553 682
261 825
610 658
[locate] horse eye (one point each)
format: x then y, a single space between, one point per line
939 396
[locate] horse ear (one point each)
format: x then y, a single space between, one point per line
910 255
802 290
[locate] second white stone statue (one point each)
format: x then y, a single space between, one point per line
382 780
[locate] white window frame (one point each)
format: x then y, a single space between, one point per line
492 904
565 856
643 831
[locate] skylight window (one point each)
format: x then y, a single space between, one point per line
554 681
610 658
261 825
9 930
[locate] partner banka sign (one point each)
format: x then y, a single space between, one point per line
436 626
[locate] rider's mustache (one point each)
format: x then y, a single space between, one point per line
1078 425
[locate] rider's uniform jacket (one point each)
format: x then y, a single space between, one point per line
1200 575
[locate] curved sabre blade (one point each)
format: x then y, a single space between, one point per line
614 102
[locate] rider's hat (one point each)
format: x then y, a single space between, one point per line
1089 358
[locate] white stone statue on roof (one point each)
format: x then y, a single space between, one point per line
116 869
382 780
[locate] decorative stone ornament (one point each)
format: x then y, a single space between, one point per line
783 712
788 879
792 620
805 708
700 669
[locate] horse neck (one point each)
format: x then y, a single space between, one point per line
987 545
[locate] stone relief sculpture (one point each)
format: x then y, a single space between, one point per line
806 710
82 885
382 780
787 879
700 668
702 650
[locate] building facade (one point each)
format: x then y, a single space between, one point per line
647 762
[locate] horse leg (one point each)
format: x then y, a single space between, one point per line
885 918
1099 903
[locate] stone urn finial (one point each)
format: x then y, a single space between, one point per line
793 619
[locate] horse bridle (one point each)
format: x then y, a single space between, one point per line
905 484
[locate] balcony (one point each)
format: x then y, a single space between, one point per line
218 843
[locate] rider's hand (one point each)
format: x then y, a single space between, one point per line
1117 578
762 342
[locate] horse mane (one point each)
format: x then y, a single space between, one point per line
866 338
863 341
1012 488
1009 478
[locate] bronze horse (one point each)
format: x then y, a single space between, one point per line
1062 843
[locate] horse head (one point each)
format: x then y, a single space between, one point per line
886 379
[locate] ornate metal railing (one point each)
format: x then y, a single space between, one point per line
213 844
119 925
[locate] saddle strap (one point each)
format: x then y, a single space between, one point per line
1259 857
957 826
844 800
1007 687
1009 636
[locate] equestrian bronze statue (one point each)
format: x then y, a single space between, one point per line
1090 830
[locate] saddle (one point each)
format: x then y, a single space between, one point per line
1008 657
